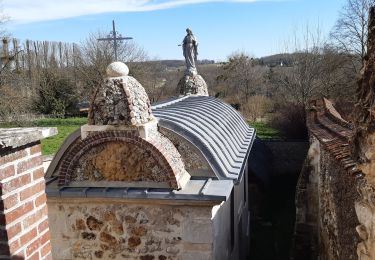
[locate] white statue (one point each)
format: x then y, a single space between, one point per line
190 50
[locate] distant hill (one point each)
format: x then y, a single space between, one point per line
284 59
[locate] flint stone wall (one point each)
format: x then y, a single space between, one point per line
193 160
192 85
120 101
95 230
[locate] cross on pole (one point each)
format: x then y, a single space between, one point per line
112 36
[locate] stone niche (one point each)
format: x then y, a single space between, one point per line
119 161
194 161
123 158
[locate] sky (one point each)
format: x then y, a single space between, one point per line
257 27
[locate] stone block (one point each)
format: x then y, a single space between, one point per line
364 214
198 247
198 231
196 256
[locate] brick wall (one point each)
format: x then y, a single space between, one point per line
24 229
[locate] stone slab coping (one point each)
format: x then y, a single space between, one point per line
194 190
144 129
15 137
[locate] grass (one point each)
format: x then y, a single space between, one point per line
264 131
65 127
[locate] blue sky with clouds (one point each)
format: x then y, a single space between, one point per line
258 27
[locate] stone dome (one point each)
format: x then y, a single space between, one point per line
120 100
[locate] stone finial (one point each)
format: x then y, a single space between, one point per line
117 69
120 100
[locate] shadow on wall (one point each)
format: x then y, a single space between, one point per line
274 170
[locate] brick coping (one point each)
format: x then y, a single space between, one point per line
333 132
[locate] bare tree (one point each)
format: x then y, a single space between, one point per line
210 72
4 18
350 31
300 82
256 107
315 69
4 61
94 56
242 76
153 77
337 78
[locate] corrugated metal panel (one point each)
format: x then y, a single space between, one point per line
214 127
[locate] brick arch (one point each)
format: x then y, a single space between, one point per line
71 159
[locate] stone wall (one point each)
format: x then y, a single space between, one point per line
287 156
231 225
338 221
327 190
326 214
362 146
365 210
24 228
108 229
193 160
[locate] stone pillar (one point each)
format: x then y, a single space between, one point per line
24 230
192 85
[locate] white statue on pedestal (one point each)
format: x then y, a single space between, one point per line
190 50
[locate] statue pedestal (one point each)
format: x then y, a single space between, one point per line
192 85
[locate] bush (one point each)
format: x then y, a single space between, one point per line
290 119
12 104
256 107
56 95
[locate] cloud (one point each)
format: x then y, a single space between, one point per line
28 11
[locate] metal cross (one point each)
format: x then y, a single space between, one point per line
112 36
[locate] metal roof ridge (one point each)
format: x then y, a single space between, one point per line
205 126
221 126
169 102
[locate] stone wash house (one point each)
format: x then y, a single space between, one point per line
142 181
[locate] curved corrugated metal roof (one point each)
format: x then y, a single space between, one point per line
214 127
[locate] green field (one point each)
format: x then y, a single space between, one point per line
264 131
65 126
